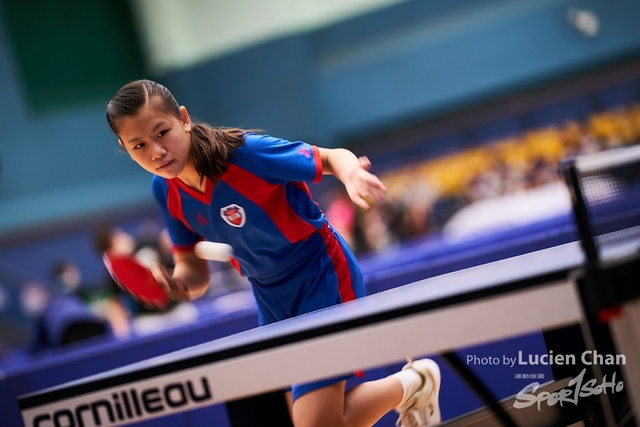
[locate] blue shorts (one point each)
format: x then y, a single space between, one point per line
330 276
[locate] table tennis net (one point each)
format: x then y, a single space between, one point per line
607 187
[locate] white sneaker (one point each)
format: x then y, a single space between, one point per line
422 409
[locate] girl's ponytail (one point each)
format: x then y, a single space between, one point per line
211 147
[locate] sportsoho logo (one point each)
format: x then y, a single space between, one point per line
123 406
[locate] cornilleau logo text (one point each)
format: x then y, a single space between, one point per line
128 405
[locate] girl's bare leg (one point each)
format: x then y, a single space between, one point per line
359 407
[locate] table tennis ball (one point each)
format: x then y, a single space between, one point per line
213 251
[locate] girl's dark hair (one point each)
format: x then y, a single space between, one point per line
210 146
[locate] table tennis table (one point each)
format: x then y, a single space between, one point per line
502 299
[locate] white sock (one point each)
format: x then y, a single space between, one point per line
410 381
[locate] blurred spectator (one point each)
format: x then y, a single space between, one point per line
516 164
34 298
66 320
60 317
67 279
111 239
542 173
100 300
376 228
341 213
486 184
589 144
416 217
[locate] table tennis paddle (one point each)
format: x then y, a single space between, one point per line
136 280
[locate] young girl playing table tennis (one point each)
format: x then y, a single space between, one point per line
248 190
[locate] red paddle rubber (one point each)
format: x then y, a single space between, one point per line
136 280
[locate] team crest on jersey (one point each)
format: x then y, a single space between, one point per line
234 215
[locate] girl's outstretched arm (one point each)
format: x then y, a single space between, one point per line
354 173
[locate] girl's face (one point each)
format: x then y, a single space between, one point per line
157 141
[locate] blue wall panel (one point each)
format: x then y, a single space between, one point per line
411 61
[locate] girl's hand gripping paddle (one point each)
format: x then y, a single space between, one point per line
136 280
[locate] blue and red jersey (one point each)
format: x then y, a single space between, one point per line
263 208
